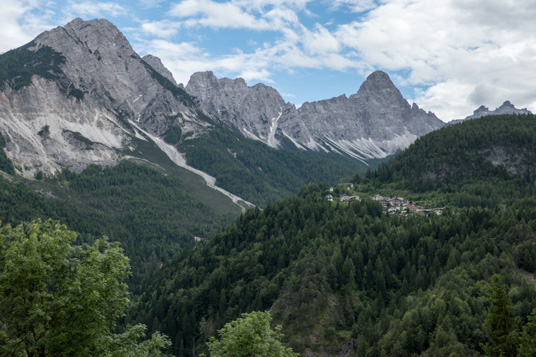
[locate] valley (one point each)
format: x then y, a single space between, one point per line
363 224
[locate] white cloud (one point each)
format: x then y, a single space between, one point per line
354 5
21 22
183 59
261 4
464 51
151 3
162 29
95 9
216 15
320 41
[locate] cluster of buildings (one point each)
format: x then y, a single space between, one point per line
398 206
344 197
394 205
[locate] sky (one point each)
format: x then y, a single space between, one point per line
448 56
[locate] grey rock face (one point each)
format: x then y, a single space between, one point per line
157 64
254 111
505 108
113 88
373 123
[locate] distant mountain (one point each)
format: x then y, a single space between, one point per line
254 111
505 108
489 148
373 123
79 95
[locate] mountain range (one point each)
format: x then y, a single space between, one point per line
373 123
108 143
505 108
79 95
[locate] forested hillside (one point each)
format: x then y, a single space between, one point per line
156 209
343 277
261 174
486 150
150 213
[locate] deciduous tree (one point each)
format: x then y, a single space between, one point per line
57 298
250 335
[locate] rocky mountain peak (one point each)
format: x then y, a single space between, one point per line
379 90
377 80
157 64
506 108
253 111
481 109
92 36
100 96
201 84
507 104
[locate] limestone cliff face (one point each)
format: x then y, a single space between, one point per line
373 123
88 110
157 64
505 108
89 97
254 111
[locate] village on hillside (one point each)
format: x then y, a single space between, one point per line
393 205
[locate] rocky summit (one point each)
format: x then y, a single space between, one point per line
505 108
80 95
93 96
373 123
254 111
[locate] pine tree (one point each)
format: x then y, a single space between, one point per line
500 325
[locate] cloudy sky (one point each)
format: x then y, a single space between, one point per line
448 56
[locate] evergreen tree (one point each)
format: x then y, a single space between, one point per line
500 324
527 346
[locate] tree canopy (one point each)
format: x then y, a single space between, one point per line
57 298
250 335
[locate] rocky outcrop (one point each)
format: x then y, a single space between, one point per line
80 110
157 64
373 123
505 108
254 111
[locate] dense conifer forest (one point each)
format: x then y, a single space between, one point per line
339 277
259 173
347 276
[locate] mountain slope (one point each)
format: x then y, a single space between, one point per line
259 173
77 107
488 147
373 123
346 278
153 211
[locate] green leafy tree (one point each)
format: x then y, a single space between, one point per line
500 325
61 299
250 335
